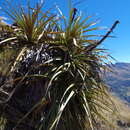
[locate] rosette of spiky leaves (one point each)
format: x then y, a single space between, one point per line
32 28
30 31
32 24
75 94
76 91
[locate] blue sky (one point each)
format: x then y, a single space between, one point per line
107 11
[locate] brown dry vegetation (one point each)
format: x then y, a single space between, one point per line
122 120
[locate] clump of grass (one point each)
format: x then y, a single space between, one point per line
55 80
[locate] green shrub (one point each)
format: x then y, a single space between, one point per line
54 79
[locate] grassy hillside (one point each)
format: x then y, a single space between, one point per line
122 120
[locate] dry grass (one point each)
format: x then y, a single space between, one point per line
122 120
123 108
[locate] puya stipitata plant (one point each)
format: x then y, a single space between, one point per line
55 73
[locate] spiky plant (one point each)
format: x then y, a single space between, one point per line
55 80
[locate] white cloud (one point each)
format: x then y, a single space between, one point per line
3 18
41 1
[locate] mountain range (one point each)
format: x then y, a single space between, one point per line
119 80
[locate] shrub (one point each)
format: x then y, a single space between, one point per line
54 79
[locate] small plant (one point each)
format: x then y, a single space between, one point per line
54 80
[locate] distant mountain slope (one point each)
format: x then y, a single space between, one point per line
119 81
